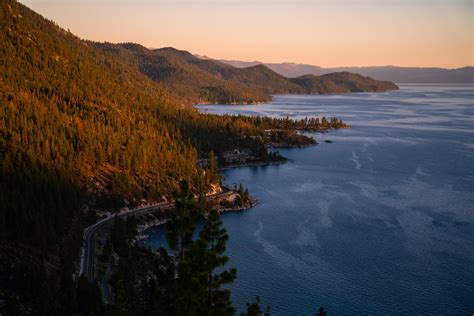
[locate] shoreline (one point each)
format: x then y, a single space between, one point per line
289 146
254 164
306 94
159 222
253 201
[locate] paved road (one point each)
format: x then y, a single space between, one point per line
104 284
88 251
88 255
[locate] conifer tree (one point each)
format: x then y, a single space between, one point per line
182 222
213 169
212 241
254 309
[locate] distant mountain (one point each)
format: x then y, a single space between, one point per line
341 82
389 73
83 130
204 80
184 74
415 75
87 126
257 77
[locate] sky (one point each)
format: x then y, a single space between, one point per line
327 33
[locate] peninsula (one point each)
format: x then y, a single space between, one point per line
210 81
89 128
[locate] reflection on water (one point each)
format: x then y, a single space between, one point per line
379 221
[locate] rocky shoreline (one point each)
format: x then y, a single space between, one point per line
143 227
162 221
249 204
253 164
253 202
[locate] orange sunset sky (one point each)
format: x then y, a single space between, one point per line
325 33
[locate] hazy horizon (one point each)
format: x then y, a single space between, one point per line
354 33
315 65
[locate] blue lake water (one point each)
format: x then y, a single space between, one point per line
381 221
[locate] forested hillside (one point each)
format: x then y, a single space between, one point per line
210 81
259 76
81 130
185 78
391 73
341 82
85 129
263 78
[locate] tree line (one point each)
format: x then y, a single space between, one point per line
82 131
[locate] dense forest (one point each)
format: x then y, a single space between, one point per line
186 277
186 79
211 81
83 130
341 82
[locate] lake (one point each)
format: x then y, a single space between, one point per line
380 221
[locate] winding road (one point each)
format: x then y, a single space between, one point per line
88 251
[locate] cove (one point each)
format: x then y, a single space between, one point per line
378 221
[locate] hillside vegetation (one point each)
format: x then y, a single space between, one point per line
211 81
84 128
87 127
341 82
184 78
390 73
81 130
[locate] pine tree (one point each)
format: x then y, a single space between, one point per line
182 222
212 241
254 309
213 169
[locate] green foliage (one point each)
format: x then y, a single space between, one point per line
243 196
86 128
79 128
214 174
209 81
341 82
212 244
184 74
254 309
187 278
182 222
122 233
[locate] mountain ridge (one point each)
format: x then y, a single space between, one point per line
204 80
397 74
